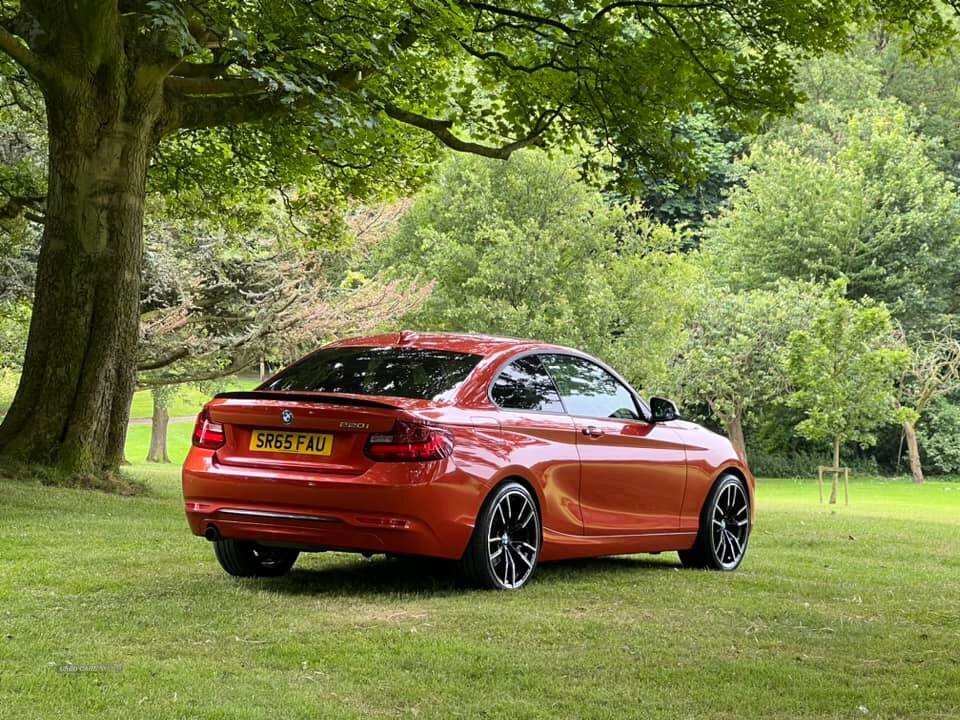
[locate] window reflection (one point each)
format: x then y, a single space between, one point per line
395 371
525 385
588 390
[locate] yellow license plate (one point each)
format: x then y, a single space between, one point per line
291 442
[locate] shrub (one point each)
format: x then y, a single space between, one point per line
939 436
803 464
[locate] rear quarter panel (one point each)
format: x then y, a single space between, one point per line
492 446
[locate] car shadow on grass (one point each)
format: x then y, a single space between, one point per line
391 576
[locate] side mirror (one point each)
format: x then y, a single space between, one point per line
663 410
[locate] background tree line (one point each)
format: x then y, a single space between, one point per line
802 295
671 220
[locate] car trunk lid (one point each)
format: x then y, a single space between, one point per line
322 432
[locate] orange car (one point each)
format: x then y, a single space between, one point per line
495 452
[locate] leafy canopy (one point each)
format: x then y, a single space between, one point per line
843 370
734 358
854 194
350 79
524 248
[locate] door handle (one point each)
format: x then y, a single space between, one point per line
592 431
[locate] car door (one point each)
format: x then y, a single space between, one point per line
542 438
632 472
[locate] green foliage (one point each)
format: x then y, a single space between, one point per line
734 360
803 463
930 86
843 370
217 299
861 199
713 171
348 80
939 435
14 324
523 248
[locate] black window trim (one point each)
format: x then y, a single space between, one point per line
502 368
645 414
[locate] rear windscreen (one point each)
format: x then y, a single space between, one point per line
396 371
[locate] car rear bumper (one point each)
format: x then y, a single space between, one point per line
404 508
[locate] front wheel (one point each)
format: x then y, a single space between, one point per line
505 546
242 558
724 527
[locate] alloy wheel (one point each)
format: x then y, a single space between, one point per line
730 525
513 539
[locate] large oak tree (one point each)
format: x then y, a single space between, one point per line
124 81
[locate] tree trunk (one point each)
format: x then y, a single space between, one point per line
158 430
836 477
735 433
72 404
913 450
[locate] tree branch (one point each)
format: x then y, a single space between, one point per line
441 129
199 70
232 86
526 17
648 5
29 206
233 368
202 111
504 60
721 86
22 55
164 361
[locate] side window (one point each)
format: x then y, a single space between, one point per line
588 390
525 385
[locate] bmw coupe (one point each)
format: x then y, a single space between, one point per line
494 452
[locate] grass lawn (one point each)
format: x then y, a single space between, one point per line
843 612
178 442
188 399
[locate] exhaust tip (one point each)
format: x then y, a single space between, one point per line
211 533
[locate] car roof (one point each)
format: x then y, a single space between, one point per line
476 344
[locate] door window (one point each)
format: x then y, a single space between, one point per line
525 385
588 390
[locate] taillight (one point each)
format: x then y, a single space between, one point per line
409 441
208 434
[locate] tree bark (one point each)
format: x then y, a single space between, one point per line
913 451
158 430
72 404
836 464
734 425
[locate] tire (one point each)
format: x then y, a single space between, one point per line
724 527
509 560
243 558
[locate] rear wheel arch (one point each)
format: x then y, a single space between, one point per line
521 480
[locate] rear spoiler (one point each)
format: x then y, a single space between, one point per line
302 397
